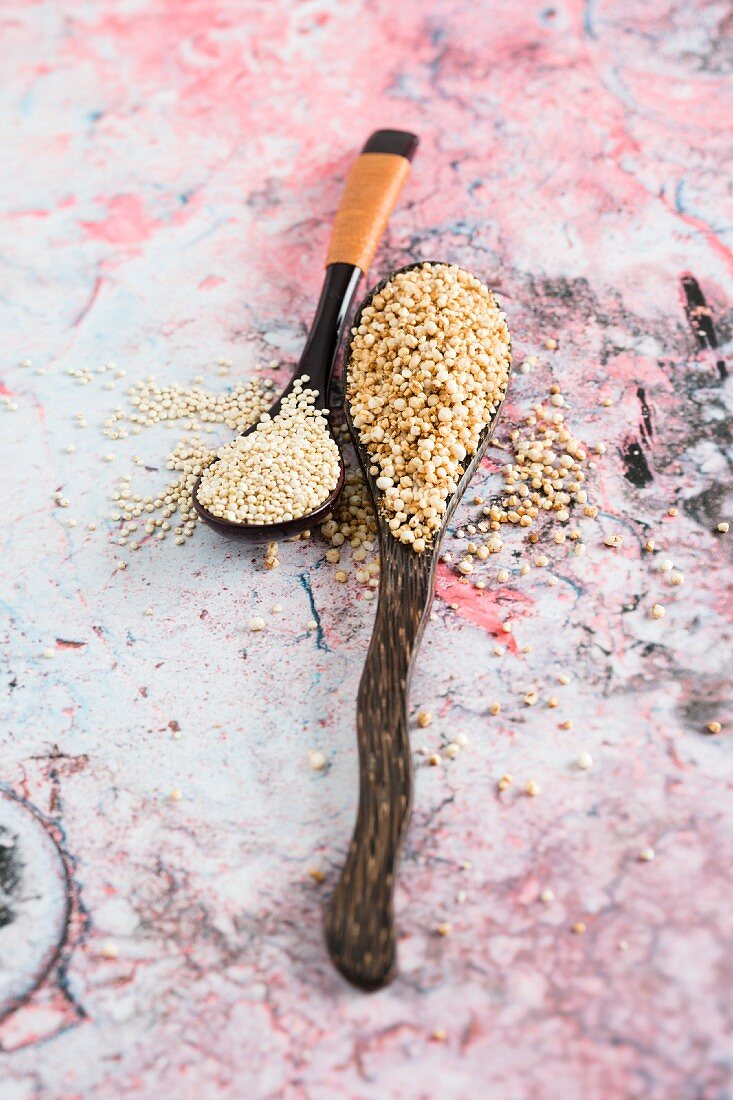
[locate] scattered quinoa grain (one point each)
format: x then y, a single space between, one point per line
723 528
424 719
657 611
532 788
547 895
256 623
584 761
579 927
271 559
445 928
646 855
713 727
317 760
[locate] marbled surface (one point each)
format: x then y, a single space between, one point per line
169 175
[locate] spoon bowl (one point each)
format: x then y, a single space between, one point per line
269 532
359 921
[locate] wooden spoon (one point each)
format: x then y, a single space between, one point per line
359 920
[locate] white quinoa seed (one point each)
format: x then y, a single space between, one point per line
283 470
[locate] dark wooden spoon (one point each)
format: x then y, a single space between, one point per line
359 920
371 191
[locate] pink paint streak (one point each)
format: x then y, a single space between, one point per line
487 608
126 223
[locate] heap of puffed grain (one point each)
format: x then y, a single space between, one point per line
286 468
429 366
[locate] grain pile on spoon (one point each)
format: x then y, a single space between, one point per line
283 470
429 366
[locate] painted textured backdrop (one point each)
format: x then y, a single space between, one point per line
169 173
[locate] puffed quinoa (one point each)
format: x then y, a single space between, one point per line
429 366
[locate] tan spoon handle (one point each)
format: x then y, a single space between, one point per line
359 921
371 192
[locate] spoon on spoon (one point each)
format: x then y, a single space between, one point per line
359 920
370 194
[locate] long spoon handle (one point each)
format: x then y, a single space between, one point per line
370 194
359 922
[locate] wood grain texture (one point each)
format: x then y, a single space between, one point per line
360 931
360 926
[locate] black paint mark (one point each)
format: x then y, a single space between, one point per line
636 466
646 416
700 319
10 875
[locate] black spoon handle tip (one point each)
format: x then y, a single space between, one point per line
401 143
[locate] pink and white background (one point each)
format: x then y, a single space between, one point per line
170 170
